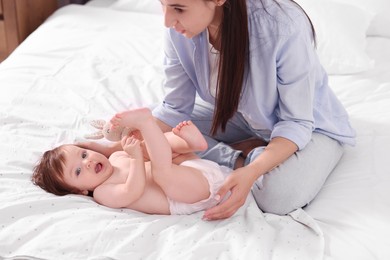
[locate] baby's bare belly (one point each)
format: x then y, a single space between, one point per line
153 200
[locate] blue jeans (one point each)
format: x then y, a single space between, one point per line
291 185
237 129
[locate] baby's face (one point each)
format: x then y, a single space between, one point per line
85 169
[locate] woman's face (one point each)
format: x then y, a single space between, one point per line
189 17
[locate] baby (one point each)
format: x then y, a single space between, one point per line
174 181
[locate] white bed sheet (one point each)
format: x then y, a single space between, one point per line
353 208
88 63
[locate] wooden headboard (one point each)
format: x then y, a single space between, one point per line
20 18
66 2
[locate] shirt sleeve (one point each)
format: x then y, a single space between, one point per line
180 92
297 65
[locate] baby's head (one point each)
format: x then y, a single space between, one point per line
49 173
70 169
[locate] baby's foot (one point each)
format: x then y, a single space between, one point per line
131 118
191 134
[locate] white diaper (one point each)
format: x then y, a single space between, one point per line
215 175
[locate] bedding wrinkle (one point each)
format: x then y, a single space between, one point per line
89 62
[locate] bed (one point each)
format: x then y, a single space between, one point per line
89 61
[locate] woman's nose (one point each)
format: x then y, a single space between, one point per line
169 20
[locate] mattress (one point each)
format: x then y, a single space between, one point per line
89 62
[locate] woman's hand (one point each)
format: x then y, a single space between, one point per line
239 182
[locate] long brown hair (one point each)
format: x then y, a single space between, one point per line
233 36
232 61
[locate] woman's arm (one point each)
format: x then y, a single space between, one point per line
179 71
241 180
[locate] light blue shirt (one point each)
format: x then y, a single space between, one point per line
286 90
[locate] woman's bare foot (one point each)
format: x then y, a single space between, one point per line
191 134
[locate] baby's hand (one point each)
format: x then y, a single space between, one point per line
132 146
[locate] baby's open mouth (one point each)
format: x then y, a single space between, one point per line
98 167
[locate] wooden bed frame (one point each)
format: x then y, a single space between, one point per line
19 18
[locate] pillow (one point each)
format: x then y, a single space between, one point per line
100 3
380 25
141 6
373 6
341 35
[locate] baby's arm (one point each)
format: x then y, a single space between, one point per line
123 194
135 182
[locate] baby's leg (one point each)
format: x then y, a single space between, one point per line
188 138
186 184
180 183
158 148
132 118
183 184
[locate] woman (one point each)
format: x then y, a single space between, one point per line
244 69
